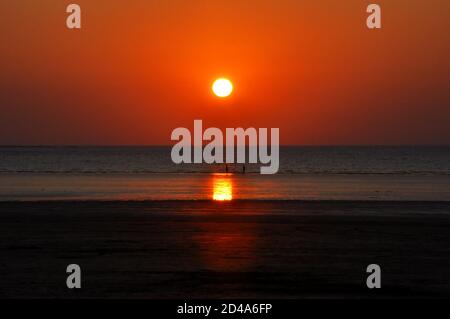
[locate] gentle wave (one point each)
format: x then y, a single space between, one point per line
331 160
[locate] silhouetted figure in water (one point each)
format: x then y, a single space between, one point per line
243 169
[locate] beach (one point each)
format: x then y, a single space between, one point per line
140 226
242 153
235 249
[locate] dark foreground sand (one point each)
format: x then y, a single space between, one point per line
238 249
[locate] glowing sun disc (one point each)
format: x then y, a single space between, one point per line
222 87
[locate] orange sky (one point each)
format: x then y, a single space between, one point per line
139 69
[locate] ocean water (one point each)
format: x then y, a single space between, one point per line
148 173
419 160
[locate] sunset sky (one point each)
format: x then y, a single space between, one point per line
139 69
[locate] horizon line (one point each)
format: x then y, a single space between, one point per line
170 145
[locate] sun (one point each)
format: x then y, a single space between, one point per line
222 87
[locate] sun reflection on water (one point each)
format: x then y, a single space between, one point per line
222 187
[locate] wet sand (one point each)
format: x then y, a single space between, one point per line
201 186
238 249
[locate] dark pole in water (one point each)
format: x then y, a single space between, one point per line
243 169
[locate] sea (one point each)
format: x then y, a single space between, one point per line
380 173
